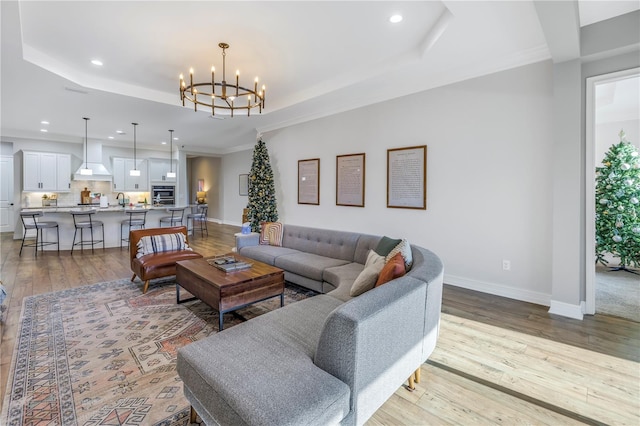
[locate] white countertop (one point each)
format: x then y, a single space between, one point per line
112 208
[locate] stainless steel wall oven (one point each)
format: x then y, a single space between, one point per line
163 194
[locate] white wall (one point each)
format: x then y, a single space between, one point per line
488 181
234 165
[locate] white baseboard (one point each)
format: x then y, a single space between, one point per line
499 290
567 310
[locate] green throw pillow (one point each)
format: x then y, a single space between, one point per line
385 246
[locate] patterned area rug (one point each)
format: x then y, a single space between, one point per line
105 354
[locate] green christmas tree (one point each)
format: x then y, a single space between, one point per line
618 205
262 193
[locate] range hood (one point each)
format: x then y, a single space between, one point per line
94 163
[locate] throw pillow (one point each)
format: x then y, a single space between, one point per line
369 275
160 243
404 248
271 233
385 245
392 269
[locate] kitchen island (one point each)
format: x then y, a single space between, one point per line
110 216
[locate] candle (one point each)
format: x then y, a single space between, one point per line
237 77
255 89
213 80
191 79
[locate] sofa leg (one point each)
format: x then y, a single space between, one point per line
133 277
412 384
192 415
146 287
413 379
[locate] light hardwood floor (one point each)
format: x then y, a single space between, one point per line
498 361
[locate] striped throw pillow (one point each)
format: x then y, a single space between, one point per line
271 233
160 243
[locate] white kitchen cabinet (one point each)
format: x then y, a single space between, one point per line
63 172
46 171
122 181
158 169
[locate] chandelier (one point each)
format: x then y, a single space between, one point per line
220 94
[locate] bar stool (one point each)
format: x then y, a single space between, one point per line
177 214
137 219
30 221
82 220
200 215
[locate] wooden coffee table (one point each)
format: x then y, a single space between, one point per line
229 291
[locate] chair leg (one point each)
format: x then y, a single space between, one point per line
24 235
146 287
417 373
133 277
74 240
58 235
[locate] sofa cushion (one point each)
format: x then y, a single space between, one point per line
307 264
404 248
249 368
156 265
266 254
385 245
392 270
271 233
369 275
161 243
343 274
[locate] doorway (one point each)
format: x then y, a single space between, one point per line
6 194
612 104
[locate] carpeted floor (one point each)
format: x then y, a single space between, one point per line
617 293
105 354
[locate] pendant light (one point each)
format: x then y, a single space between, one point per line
171 173
86 171
134 171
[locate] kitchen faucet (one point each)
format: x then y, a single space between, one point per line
118 198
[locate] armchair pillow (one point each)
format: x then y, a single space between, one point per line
161 243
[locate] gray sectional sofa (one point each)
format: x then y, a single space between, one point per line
329 359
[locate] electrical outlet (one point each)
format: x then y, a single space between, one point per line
506 265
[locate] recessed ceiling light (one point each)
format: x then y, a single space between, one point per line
163 143
110 137
176 139
44 122
44 130
120 132
395 19
97 62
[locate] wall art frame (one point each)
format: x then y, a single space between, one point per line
407 177
309 181
350 179
243 184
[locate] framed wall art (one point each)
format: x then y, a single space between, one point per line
309 181
407 177
350 175
243 184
